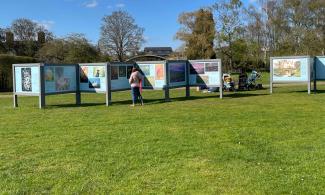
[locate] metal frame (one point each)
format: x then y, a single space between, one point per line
153 62
220 74
107 91
16 94
309 72
77 91
315 73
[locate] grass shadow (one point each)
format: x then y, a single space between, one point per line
73 105
318 91
243 95
161 100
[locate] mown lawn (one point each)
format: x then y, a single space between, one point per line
246 143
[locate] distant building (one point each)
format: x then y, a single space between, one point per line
158 51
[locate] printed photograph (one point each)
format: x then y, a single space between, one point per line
49 74
129 71
84 74
26 76
287 68
122 71
114 72
99 71
211 67
177 72
61 83
159 72
197 68
145 69
94 83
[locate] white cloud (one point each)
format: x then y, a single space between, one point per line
120 5
47 24
91 4
252 1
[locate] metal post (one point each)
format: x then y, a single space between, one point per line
221 80
15 97
167 99
188 92
271 76
309 75
41 97
108 85
78 95
314 75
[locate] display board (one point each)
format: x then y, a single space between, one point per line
177 73
291 69
120 74
48 79
154 74
60 78
205 73
27 79
319 67
93 77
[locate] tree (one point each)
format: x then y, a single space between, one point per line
229 26
24 29
120 35
53 51
255 37
198 33
80 49
74 48
2 40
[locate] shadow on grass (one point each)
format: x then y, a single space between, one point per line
162 100
159 100
243 95
74 105
318 91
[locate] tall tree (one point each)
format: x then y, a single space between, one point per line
255 37
229 26
2 40
198 33
120 35
24 29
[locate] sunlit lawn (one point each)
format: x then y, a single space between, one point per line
246 143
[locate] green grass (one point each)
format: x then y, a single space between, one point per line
246 143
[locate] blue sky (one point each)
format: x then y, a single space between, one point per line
158 17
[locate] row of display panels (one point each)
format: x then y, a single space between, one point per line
93 76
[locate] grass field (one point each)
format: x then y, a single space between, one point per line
246 143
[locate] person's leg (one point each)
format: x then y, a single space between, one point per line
133 96
136 93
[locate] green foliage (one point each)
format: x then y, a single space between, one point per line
73 49
198 33
247 143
